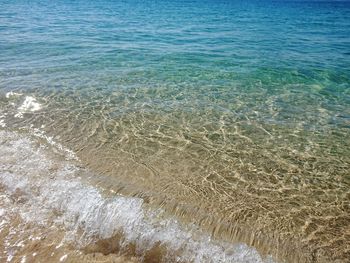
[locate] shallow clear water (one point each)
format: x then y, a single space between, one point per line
230 115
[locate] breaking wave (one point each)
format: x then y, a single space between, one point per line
54 191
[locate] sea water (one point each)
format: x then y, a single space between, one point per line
175 131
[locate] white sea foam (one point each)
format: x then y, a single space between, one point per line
2 121
30 104
63 258
12 94
50 186
69 154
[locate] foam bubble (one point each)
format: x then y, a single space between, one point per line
30 104
2 123
2 212
63 258
12 94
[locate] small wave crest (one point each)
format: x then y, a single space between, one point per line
53 192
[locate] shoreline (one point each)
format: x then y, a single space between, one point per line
60 201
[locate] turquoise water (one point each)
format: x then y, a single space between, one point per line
232 115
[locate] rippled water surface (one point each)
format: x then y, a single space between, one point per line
230 116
